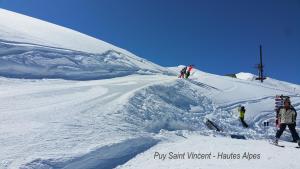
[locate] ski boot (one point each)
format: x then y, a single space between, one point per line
275 142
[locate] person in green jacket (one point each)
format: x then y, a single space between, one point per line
242 111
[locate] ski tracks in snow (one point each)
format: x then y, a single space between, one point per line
70 119
86 116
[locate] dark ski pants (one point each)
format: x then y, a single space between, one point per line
187 75
292 128
181 75
244 123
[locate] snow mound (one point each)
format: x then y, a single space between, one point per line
31 48
245 76
178 105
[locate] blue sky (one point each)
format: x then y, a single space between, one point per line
218 36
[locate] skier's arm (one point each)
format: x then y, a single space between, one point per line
277 115
295 116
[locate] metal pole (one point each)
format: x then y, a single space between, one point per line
261 65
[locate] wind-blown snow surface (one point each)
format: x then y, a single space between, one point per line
105 123
31 48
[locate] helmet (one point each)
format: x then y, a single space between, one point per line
243 108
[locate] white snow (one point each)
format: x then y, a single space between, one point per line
104 123
131 109
24 29
226 95
31 48
57 120
245 76
239 154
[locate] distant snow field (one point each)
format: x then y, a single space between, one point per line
245 76
74 102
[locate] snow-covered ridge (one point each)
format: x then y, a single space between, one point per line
31 48
20 28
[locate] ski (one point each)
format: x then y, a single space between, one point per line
235 136
282 146
211 125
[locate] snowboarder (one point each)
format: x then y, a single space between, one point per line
242 111
287 117
188 72
183 72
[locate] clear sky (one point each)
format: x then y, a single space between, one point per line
218 36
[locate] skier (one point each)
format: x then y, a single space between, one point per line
182 72
287 117
242 111
278 104
188 72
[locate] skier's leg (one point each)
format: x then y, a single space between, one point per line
244 123
182 75
280 131
187 76
293 131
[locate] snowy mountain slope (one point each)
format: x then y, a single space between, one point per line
105 123
224 95
269 81
20 28
31 48
227 94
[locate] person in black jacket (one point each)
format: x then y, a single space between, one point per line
183 72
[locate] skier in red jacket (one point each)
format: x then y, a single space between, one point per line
188 72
